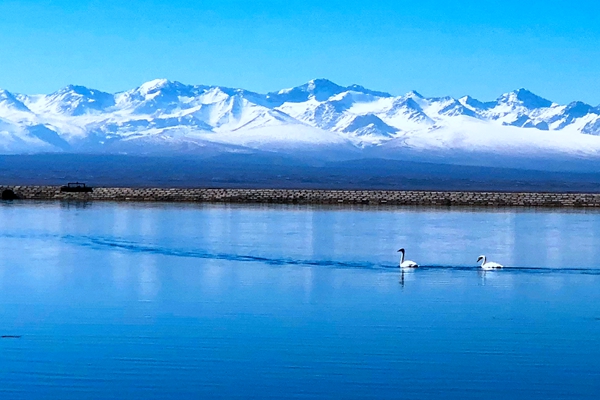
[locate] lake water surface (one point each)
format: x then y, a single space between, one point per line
155 301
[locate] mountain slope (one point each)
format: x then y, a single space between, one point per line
320 118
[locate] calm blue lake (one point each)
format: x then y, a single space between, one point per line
161 301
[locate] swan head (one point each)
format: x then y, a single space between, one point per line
401 251
480 258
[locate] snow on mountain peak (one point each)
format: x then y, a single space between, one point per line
474 104
9 101
321 84
525 98
319 90
370 124
362 89
153 86
169 112
580 109
158 95
72 100
414 94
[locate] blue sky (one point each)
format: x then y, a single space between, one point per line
482 48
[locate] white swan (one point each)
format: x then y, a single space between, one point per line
489 265
407 263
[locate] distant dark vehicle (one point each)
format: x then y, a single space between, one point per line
76 187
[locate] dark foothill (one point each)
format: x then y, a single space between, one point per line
8 194
11 336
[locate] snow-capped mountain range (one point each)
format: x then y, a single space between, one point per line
319 117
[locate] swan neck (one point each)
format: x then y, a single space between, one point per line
401 257
484 261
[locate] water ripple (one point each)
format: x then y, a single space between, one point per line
98 242
103 243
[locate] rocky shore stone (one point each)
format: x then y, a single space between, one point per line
301 196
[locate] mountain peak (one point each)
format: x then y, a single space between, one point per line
370 124
414 94
362 89
524 97
319 89
78 90
74 88
5 95
9 99
322 89
473 103
77 100
157 85
166 113
578 109
321 82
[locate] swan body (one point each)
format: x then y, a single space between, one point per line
406 264
488 265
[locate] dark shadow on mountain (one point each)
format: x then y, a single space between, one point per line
49 136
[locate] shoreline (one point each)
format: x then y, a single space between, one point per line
305 196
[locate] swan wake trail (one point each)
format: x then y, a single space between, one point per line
96 242
142 248
103 243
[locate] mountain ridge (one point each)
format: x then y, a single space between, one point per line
319 117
